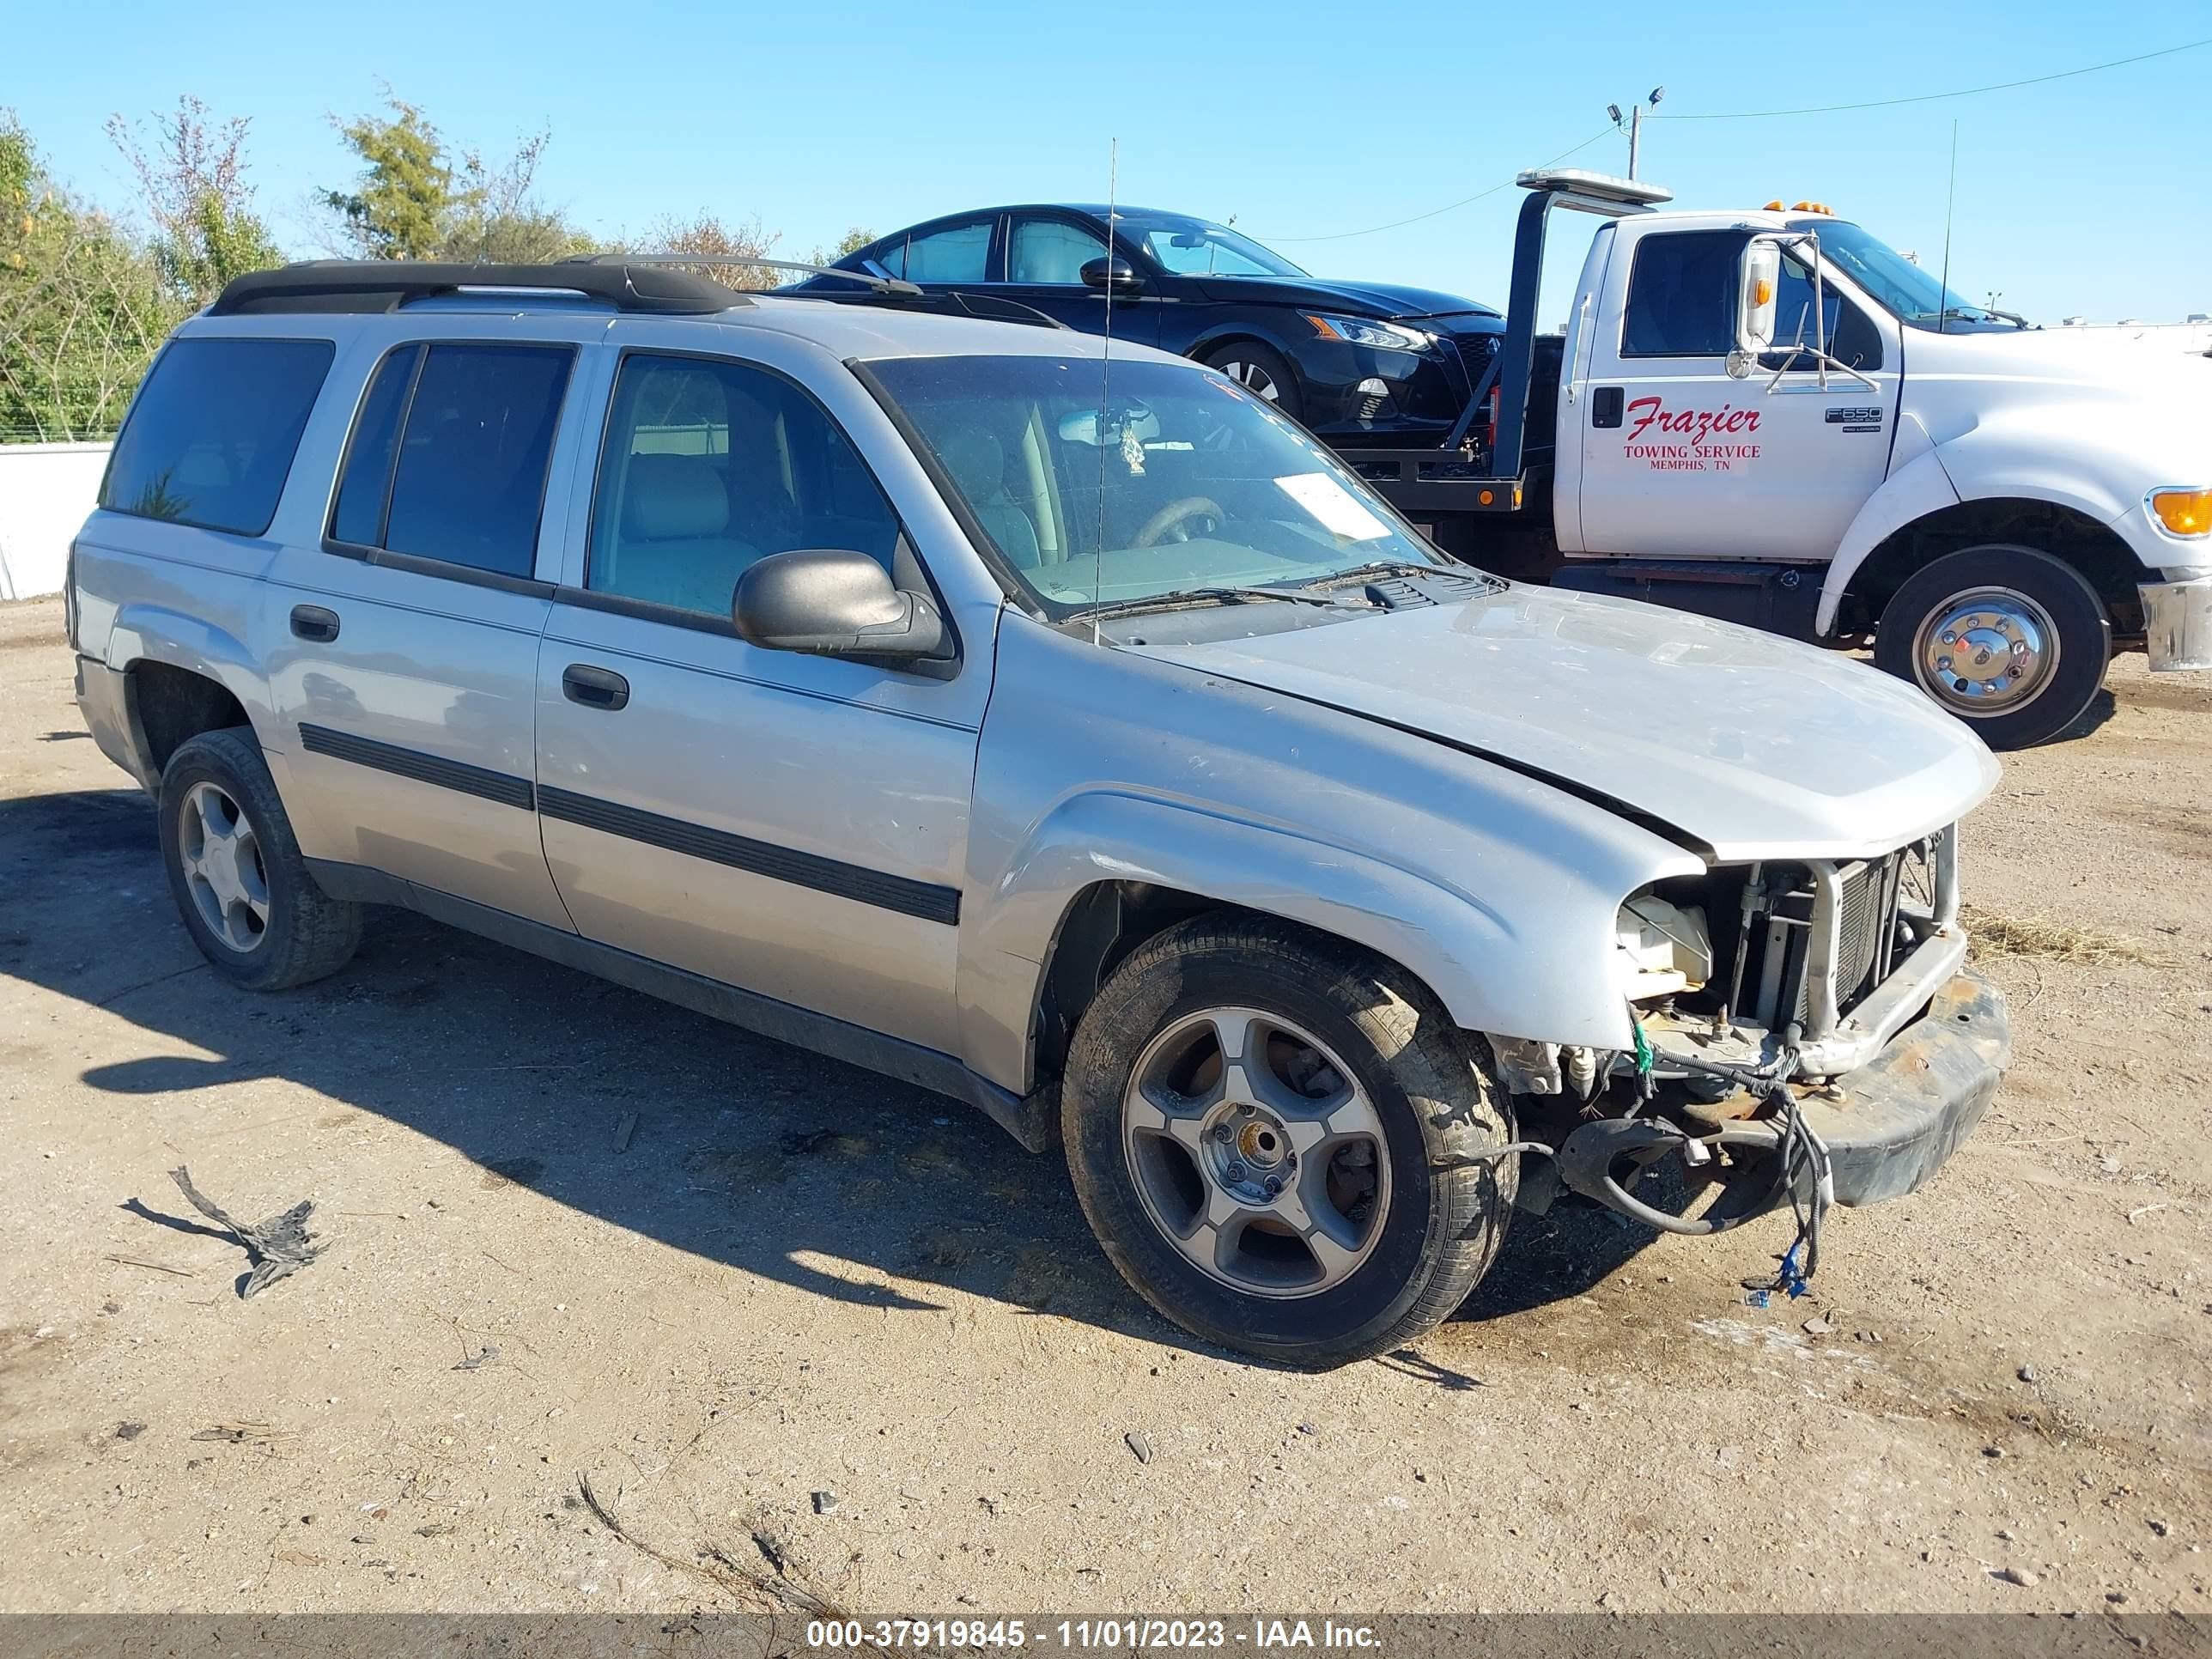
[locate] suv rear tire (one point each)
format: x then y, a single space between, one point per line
235 871
1275 1138
2010 639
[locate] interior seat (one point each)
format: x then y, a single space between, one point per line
675 547
977 462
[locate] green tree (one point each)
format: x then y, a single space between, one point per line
192 177
494 217
721 248
84 304
399 206
851 242
415 200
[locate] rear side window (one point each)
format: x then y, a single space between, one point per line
1681 296
450 452
958 253
211 435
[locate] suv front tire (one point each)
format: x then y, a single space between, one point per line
235 871
1278 1139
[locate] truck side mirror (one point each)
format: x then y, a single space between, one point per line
1758 282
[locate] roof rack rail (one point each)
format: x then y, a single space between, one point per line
888 285
987 307
381 285
878 290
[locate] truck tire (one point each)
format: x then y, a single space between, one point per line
235 871
1278 1140
1262 371
2010 639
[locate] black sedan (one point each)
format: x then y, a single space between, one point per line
1355 362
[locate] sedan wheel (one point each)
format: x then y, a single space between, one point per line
1262 371
1253 378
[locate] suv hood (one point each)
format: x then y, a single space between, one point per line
1387 300
1756 746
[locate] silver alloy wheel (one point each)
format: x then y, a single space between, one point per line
1254 378
1255 1152
223 871
1986 652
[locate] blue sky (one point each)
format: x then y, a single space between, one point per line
2086 195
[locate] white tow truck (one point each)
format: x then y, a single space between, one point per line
1772 416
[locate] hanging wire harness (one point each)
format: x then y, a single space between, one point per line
1588 1159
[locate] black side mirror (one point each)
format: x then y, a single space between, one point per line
832 603
1112 271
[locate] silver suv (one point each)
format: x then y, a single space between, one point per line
1051 725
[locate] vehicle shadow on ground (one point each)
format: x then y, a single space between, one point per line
745 1151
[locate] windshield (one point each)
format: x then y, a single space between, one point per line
1181 480
1915 295
1192 247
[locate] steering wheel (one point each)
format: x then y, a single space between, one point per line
1173 516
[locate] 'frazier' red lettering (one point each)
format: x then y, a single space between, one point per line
1697 425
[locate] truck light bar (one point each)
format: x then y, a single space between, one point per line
1596 187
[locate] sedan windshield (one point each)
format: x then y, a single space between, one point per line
1913 295
1192 247
1103 484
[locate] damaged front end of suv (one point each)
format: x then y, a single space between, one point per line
1801 1032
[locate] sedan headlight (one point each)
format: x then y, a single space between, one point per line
1359 330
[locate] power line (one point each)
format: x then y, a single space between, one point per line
1933 97
1345 235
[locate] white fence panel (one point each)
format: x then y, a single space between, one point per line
45 492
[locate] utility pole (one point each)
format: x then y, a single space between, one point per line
1633 122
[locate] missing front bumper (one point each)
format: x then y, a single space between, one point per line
1887 1126
1891 1124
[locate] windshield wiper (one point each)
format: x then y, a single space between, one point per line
1360 573
1176 597
1978 314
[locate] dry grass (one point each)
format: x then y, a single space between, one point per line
2045 940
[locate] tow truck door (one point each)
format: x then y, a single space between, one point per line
1680 460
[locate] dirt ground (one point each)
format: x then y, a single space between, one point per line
799 1279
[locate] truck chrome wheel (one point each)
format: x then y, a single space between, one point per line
1255 1152
223 867
1985 651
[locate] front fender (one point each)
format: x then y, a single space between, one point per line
1547 971
1915 487
2032 454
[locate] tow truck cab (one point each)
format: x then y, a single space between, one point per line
1773 417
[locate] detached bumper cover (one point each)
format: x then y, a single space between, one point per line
2177 623
1899 1116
